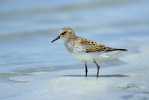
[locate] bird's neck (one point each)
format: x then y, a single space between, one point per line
66 40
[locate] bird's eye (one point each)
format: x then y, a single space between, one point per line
63 33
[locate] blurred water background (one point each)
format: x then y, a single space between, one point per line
27 28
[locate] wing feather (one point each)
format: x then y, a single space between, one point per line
82 44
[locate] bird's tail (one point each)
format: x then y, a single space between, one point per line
122 49
115 49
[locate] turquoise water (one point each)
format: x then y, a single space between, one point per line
30 64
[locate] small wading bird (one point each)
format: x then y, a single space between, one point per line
86 50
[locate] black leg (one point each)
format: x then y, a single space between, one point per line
98 67
86 69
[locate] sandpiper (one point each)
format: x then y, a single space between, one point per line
86 50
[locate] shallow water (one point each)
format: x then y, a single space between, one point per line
33 68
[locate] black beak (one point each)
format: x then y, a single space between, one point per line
55 39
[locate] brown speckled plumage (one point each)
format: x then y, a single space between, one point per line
88 45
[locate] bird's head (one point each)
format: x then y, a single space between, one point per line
65 34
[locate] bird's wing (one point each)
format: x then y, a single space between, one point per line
80 44
92 46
